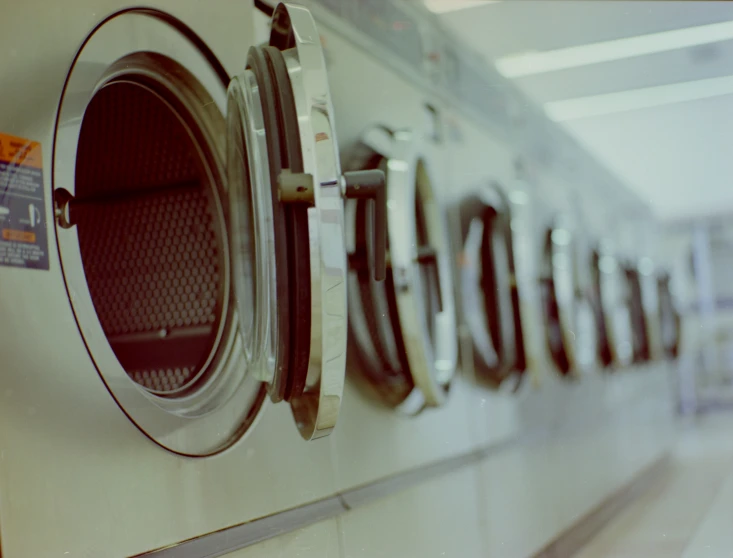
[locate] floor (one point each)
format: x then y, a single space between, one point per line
688 509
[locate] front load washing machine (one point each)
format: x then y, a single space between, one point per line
173 245
669 317
162 237
615 348
488 286
586 303
569 317
649 290
404 329
640 333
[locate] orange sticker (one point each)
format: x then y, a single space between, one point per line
24 223
19 236
20 151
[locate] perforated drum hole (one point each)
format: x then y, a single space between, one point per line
148 238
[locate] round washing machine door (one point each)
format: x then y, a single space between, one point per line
200 227
287 223
488 289
404 329
648 280
570 317
616 344
640 336
669 318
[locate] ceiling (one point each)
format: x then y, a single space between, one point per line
646 86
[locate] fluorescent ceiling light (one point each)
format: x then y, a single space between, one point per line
445 6
530 63
635 99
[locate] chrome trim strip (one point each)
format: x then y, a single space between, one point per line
384 487
220 543
234 538
240 536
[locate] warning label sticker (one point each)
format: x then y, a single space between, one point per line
23 230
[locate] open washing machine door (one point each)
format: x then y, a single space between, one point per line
488 288
404 329
614 315
201 231
570 319
669 318
286 213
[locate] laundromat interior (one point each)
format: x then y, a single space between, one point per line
366 279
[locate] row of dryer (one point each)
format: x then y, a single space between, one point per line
180 245
209 245
623 313
513 246
601 311
203 286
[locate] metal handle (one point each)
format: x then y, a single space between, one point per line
370 184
